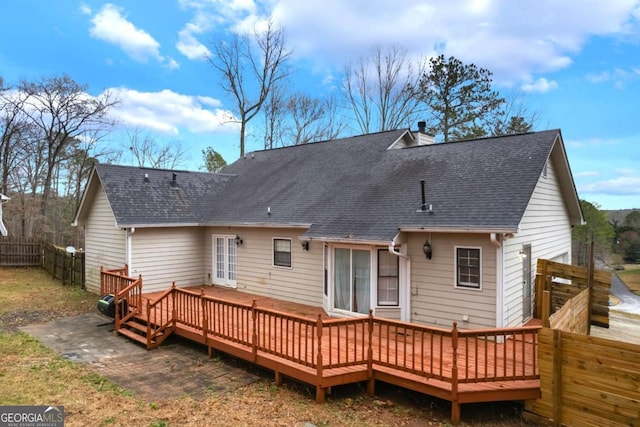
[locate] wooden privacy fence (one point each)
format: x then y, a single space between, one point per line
573 316
586 381
60 264
563 282
20 253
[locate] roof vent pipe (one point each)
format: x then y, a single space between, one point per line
422 127
423 207
174 183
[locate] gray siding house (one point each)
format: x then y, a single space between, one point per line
416 231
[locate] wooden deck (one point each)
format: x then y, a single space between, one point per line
303 343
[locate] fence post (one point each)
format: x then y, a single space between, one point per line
55 256
590 277
557 377
546 308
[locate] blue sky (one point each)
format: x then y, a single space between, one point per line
577 63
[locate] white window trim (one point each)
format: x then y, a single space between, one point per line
273 252
455 268
377 274
373 296
214 260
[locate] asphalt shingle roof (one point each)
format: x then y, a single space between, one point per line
347 188
136 200
356 187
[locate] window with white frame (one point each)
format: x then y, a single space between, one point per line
388 278
282 252
468 268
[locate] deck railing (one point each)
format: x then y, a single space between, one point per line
286 335
415 349
114 280
506 354
160 318
128 301
450 355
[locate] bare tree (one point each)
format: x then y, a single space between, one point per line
148 152
313 119
249 69
379 89
14 128
62 111
275 115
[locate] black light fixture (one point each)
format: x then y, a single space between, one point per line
305 245
428 251
238 240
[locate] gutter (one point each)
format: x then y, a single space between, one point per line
130 232
499 280
392 250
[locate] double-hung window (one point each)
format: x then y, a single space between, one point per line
388 278
468 268
282 252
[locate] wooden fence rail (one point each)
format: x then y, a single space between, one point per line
14 253
586 381
63 265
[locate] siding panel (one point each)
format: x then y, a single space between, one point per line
105 244
302 283
434 298
546 227
166 255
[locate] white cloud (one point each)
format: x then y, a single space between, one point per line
619 76
85 9
541 85
586 173
207 15
190 47
517 40
167 111
111 26
621 185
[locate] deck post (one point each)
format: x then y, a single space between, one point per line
254 332
455 406
205 321
319 389
148 325
173 306
590 278
371 383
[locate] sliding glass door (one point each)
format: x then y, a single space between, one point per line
352 280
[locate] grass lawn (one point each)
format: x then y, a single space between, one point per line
31 374
631 276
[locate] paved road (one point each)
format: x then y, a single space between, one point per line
629 302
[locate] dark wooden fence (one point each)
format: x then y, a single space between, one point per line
60 264
20 253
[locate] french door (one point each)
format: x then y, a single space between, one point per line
224 260
352 280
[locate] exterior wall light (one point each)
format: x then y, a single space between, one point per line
428 251
238 240
305 245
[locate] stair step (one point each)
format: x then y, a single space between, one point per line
137 326
133 335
